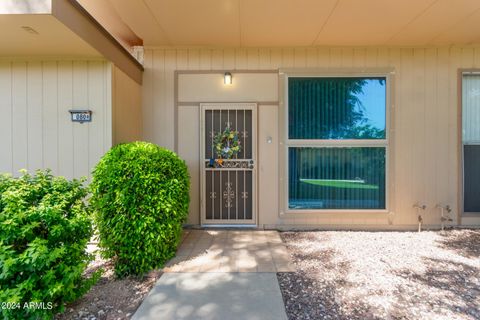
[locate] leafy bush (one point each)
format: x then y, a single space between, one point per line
44 230
140 194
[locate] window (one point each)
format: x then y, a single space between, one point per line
471 142
337 142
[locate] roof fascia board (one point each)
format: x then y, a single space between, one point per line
76 18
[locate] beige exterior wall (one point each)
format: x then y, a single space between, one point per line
424 160
127 108
35 126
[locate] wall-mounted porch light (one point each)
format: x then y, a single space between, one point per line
227 78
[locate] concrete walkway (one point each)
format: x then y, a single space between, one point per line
230 251
221 275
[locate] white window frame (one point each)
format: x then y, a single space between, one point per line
286 143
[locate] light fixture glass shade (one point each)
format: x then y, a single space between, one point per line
227 78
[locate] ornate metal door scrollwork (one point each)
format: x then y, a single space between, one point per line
228 195
228 164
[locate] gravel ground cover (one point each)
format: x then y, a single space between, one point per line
110 298
383 275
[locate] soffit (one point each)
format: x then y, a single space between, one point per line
53 38
270 23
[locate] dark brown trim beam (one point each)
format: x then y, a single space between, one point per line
76 18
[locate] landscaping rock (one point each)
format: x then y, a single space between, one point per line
383 275
110 298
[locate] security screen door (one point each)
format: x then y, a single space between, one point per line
228 181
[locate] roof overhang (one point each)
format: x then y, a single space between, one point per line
289 23
59 28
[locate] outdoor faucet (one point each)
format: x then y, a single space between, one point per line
444 217
419 207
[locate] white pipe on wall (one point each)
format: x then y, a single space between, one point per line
419 207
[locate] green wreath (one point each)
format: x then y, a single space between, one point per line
227 143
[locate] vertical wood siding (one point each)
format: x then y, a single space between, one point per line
425 158
35 127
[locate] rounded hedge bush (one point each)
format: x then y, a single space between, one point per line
140 193
45 226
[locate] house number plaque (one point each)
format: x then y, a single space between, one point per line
81 115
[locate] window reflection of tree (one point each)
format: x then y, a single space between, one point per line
330 108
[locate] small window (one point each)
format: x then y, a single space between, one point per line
471 142
337 143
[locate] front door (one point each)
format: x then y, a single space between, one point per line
228 163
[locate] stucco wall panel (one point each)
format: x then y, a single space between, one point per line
268 183
189 150
126 108
245 87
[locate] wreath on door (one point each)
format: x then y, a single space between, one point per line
227 143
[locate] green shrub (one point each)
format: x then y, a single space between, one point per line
44 230
140 194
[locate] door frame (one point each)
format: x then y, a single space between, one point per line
253 106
